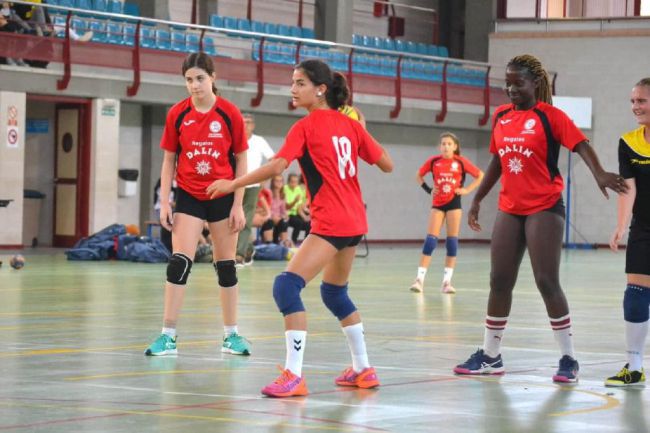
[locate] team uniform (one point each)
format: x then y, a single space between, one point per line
634 163
527 143
206 145
329 165
448 175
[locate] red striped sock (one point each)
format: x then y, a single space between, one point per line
494 329
562 332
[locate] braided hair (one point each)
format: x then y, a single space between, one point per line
534 66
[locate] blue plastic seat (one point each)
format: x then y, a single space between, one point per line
230 23
192 42
400 45
287 54
52 2
271 28
257 26
388 66
83 4
147 37
442 51
216 21
308 33
411 47
99 30
78 25
99 5
128 34
163 39
389 44
245 25
177 40
127 8
422 48
67 3
295 31
283 30
209 47
432 50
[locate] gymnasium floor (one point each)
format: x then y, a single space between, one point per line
73 335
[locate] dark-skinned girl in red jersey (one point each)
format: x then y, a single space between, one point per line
525 143
448 170
327 144
204 139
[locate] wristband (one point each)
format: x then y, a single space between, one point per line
426 187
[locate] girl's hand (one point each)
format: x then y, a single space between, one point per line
237 219
472 217
616 238
220 187
461 191
166 216
612 181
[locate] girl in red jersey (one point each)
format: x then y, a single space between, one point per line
203 140
634 166
526 139
327 144
448 171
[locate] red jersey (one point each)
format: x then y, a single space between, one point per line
448 175
265 194
528 145
327 145
206 143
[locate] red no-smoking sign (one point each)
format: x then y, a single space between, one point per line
12 137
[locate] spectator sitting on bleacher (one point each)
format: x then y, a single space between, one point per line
36 16
11 27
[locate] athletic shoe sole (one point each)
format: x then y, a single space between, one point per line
563 379
234 352
163 353
491 372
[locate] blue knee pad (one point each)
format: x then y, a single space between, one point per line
429 245
286 292
336 299
636 304
452 246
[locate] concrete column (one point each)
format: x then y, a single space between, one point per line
12 166
207 8
158 9
478 28
333 20
104 163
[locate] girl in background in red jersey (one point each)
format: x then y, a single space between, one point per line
448 171
327 145
526 139
204 139
634 206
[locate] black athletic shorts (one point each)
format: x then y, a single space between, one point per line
208 210
558 208
637 254
340 242
453 204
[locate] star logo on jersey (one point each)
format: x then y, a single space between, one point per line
446 189
454 166
203 167
215 126
515 165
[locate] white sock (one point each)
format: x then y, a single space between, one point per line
169 331
295 341
562 333
446 276
494 329
357 345
422 272
227 330
635 335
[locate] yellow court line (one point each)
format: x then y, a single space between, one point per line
337 427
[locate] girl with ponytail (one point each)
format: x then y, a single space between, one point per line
327 145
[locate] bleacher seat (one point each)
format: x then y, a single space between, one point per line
128 34
127 8
66 3
257 26
357 40
216 21
432 50
442 51
117 7
83 4
98 27
389 44
78 25
209 47
400 45
177 41
271 28
245 25
411 47
283 30
230 23
192 42
100 5
295 32
422 48
163 39
147 37
308 33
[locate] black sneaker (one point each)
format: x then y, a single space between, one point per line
567 372
627 377
480 363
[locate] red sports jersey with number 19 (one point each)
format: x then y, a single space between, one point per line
327 144
204 143
530 178
448 175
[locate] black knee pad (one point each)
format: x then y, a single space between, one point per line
226 273
178 268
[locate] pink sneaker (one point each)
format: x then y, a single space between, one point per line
367 378
286 385
447 288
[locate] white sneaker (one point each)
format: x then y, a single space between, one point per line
417 286
86 36
447 288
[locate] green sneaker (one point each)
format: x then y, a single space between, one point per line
627 377
164 345
236 344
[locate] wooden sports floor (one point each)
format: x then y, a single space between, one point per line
73 336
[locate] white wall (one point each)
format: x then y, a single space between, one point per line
130 156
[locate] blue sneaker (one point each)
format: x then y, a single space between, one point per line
567 372
164 345
480 363
235 344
